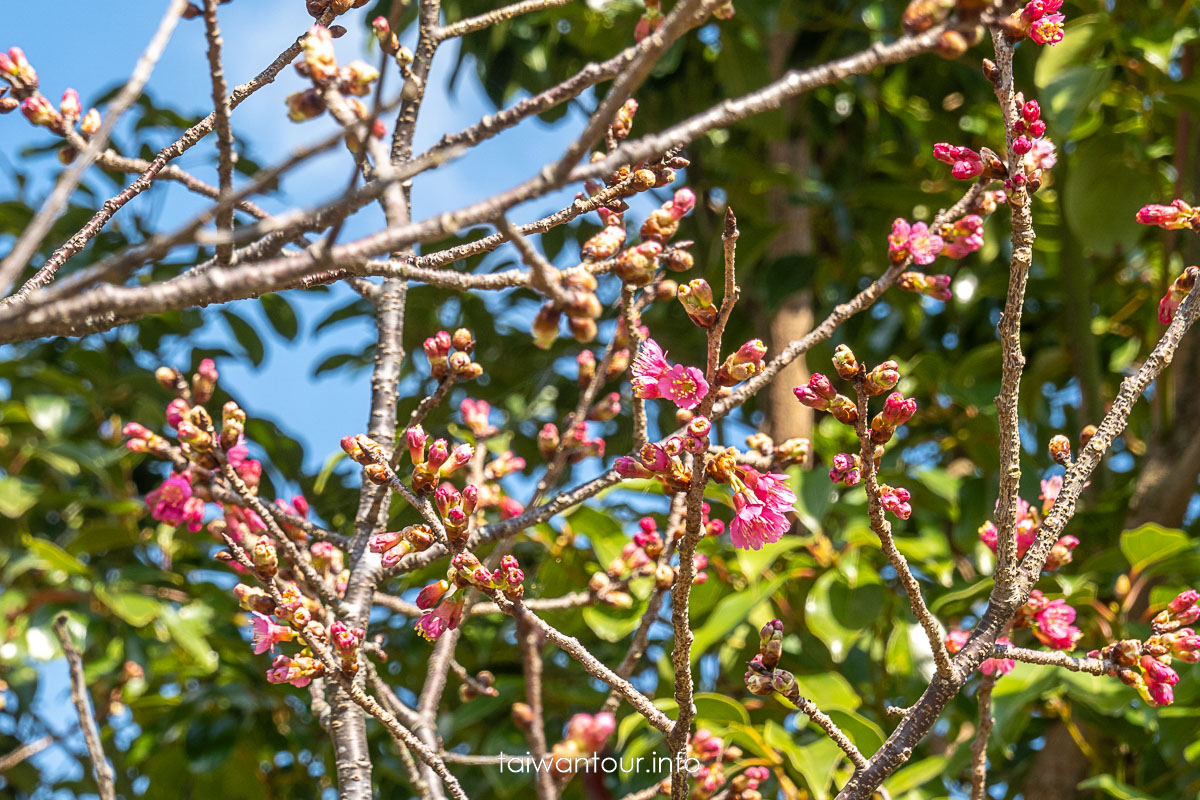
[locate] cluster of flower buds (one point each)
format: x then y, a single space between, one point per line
1174 297
846 469
1183 610
763 674
20 75
346 642
296 607
820 395
456 508
297 670
742 364
639 558
606 408
664 462
895 500
967 164
395 545
143 440
450 356
582 310
254 599
957 639
586 734
1177 216
914 242
1028 125
1038 20
577 443
655 377
16 70
330 563
440 461
786 453
1146 666
1050 621
390 43
351 81
897 410
935 286
636 265
714 754
961 238
467 570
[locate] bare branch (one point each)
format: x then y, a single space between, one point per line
83 706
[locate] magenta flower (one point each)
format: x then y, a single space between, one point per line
1176 216
591 732
172 503
964 237
1048 30
914 240
955 641
648 367
1052 626
1042 156
445 617
265 634
760 504
684 386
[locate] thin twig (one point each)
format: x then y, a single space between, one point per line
883 530
83 706
224 130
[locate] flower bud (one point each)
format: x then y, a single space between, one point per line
545 326
844 362
266 562
90 123
883 378
1060 450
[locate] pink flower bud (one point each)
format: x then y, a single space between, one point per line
1183 600
70 106
432 594
1031 111
897 410
1022 145
629 468
684 202
439 452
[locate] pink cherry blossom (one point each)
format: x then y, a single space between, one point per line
445 617
755 524
265 634
1052 626
684 386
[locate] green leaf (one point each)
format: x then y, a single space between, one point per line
608 627
48 412
1114 788
811 761
838 614
136 609
830 691
711 707
602 531
1149 543
915 775
52 556
17 496
246 336
281 315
